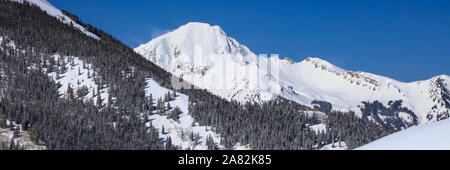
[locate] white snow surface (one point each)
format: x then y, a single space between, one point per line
230 70
55 12
76 76
343 146
432 136
319 128
9 44
186 123
23 138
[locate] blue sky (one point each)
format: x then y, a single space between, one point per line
406 40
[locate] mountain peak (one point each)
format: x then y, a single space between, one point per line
196 30
443 76
199 25
185 40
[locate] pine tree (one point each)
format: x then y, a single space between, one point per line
174 94
191 137
168 143
93 93
57 75
99 101
210 143
69 92
109 97
12 144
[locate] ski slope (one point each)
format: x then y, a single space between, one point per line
432 136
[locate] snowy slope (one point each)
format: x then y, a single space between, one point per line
53 11
186 124
315 79
205 56
196 52
342 146
78 75
432 136
23 139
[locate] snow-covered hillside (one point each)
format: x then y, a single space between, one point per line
72 71
179 130
196 52
86 84
205 56
79 76
432 136
55 12
13 134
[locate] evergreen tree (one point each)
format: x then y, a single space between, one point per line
99 101
168 143
69 92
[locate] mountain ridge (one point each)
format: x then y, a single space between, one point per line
301 82
55 12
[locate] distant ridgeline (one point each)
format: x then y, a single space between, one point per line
113 114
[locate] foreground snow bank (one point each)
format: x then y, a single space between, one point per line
433 136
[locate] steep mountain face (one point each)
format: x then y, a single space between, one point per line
197 52
205 56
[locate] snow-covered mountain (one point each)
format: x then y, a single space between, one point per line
55 12
196 52
205 56
433 136
86 84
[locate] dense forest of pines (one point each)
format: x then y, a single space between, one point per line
29 97
279 124
391 119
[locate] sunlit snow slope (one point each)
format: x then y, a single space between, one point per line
52 11
227 69
432 136
178 130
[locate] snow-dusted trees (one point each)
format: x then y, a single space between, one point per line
69 92
32 97
278 124
168 144
210 143
99 102
82 92
387 116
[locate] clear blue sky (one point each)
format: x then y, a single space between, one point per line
407 40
